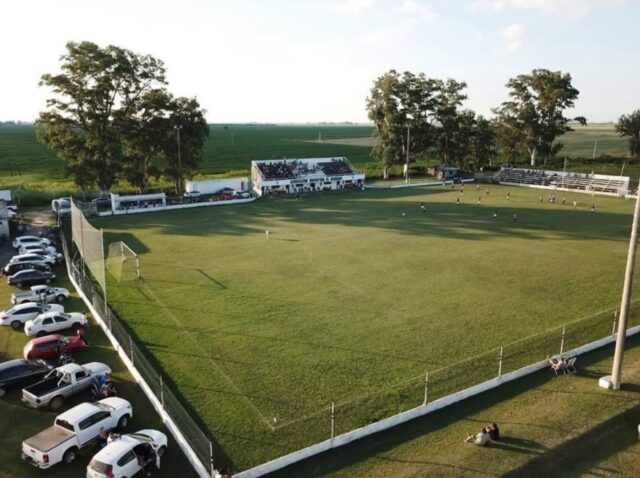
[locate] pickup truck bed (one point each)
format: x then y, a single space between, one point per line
44 387
48 439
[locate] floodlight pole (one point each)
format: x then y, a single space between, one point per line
616 371
406 179
178 128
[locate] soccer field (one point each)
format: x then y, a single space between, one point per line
349 300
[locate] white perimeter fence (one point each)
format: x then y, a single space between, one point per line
358 417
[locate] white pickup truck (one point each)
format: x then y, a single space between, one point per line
75 429
62 382
40 293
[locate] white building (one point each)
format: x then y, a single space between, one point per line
286 176
4 220
137 201
213 186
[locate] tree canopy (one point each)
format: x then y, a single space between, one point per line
536 112
110 116
629 125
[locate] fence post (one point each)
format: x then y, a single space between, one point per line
161 391
131 349
426 387
615 318
500 364
562 340
333 419
213 469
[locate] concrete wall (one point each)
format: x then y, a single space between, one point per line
212 186
173 207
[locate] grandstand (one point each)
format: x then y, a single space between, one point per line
565 181
286 176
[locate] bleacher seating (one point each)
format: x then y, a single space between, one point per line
336 167
279 170
578 181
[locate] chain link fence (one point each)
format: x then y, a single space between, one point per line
198 440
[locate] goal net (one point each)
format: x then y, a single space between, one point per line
122 263
89 242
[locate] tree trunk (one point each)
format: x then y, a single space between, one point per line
534 153
385 172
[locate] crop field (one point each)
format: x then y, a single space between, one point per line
348 300
35 172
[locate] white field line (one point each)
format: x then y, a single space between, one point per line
172 316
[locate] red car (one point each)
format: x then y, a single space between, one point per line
51 346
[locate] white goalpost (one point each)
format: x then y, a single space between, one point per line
122 262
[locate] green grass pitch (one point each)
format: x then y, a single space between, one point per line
347 300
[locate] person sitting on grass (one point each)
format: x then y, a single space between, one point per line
494 432
481 439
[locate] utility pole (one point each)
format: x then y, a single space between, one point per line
406 166
178 128
616 371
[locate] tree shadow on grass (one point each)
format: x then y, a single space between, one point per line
581 454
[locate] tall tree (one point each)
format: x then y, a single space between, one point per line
188 133
402 108
482 148
453 126
96 89
536 108
145 138
629 125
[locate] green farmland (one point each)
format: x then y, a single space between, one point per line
348 301
38 175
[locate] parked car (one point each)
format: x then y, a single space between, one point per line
62 382
61 206
119 459
48 251
192 196
37 258
243 194
19 314
74 429
22 240
20 372
49 322
30 277
40 293
52 346
11 269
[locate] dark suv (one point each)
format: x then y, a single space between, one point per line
14 267
30 277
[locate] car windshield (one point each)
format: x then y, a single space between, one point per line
104 406
140 437
98 466
64 424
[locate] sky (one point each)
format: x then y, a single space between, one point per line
310 60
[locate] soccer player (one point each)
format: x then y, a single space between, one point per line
515 217
495 213
423 207
479 200
508 196
457 201
403 213
593 207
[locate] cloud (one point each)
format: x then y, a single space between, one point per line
388 35
512 35
573 8
349 7
421 10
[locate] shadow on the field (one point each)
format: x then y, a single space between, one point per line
383 209
129 239
583 453
374 446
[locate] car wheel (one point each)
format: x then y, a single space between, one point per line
69 456
161 451
42 333
124 421
19 285
60 298
56 403
2 392
16 325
